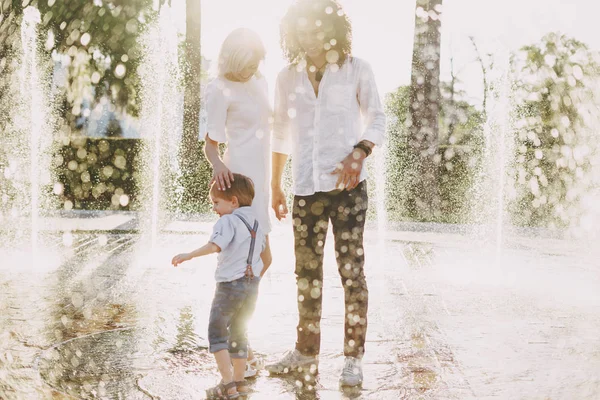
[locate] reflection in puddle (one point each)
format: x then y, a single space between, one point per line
103 364
129 325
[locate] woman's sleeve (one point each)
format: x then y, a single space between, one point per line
216 104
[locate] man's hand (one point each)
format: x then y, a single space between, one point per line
179 258
349 170
278 202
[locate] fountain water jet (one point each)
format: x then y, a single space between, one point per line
161 120
491 183
26 141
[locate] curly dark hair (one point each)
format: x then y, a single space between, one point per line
335 24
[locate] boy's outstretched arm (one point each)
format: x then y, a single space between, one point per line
207 249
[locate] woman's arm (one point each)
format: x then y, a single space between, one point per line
216 120
221 174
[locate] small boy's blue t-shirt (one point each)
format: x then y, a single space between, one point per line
233 237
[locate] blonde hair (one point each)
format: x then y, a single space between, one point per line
238 49
242 187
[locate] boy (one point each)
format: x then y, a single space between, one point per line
239 241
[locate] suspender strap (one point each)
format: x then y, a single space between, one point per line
253 230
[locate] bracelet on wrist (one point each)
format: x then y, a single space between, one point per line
364 148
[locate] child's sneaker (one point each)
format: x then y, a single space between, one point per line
250 371
252 367
257 363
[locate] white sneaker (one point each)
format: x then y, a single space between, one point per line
352 374
250 371
294 361
257 363
253 366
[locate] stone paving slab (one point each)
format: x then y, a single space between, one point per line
101 315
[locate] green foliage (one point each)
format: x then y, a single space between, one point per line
556 122
195 180
458 154
110 174
460 122
98 174
102 42
98 41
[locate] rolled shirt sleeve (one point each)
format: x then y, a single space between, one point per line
216 102
223 232
281 141
371 107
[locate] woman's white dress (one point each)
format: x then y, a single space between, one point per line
239 114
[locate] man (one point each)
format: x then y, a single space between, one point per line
319 101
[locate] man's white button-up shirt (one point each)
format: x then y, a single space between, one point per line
320 131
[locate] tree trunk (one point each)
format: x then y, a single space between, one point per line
189 155
484 74
10 23
452 109
424 108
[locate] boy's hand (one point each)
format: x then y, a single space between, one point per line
179 258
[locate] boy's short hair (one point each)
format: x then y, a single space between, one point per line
242 187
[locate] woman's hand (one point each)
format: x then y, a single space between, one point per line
222 176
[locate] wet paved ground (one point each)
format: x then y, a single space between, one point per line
103 315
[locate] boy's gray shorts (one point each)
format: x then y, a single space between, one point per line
232 307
